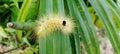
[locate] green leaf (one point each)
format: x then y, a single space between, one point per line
2 32
22 15
55 43
86 27
16 3
10 30
103 10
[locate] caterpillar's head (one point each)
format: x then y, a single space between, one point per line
50 23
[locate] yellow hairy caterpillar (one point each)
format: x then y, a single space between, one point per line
54 22
46 25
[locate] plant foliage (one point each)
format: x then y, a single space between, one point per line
87 15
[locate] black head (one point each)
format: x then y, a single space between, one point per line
64 23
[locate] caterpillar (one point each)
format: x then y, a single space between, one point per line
54 22
45 25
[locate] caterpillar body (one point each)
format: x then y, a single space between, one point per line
54 22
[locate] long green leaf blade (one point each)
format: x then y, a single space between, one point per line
102 10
